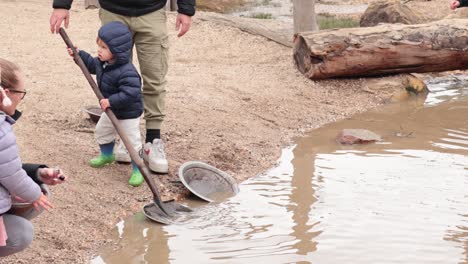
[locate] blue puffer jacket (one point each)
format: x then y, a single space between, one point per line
13 179
120 81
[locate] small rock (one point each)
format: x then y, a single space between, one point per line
390 11
357 136
415 85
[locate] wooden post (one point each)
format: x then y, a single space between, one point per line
304 16
91 4
171 5
168 6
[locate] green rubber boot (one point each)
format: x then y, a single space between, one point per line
101 161
136 179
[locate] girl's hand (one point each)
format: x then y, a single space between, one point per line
51 176
43 202
15 198
70 51
105 104
454 4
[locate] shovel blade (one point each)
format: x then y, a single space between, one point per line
153 212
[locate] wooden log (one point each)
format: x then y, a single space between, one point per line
276 31
384 49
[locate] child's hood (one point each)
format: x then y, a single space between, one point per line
119 39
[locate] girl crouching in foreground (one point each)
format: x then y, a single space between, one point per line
16 232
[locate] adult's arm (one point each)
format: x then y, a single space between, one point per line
61 14
187 7
62 4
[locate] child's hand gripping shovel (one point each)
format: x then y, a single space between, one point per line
159 211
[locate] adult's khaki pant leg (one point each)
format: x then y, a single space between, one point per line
152 46
106 17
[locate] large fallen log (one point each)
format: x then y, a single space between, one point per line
276 31
384 49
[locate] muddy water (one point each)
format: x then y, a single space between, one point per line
403 200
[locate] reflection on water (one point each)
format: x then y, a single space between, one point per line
389 208
401 201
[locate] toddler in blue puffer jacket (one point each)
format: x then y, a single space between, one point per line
120 84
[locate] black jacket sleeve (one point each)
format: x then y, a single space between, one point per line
463 3
65 4
187 7
31 170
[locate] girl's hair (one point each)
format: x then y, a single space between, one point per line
8 72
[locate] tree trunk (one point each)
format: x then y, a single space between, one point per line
384 49
171 5
304 16
174 5
91 4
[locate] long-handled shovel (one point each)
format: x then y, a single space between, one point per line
162 210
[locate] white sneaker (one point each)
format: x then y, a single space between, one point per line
121 154
155 156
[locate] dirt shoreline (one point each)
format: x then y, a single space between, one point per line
234 101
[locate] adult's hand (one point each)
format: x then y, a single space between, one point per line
454 4
43 202
51 176
58 16
183 23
